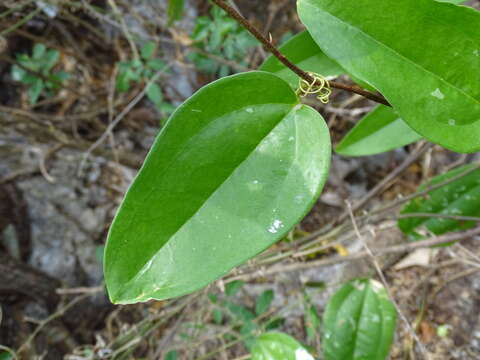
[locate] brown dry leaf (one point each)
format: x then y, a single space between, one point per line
419 257
181 38
427 332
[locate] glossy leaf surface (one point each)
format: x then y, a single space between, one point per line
276 345
379 131
359 322
305 53
422 55
236 166
460 197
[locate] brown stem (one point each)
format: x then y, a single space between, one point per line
304 75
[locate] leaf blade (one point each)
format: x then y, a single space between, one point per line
359 322
460 197
276 345
439 93
210 179
379 131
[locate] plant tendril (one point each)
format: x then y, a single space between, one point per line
319 86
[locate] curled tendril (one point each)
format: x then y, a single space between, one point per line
319 86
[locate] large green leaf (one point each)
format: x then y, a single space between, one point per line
379 131
359 322
422 55
236 166
278 346
460 197
305 53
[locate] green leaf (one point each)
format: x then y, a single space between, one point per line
235 167
379 131
175 10
17 73
62 76
359 322
233 287
276 346
148 50
35 90
274 323
123 80
38 51
460 197
171 355
263 302
136 63
154 94
241 312
247 332
433 87
217 316
50 59
156 64
305 53
213 298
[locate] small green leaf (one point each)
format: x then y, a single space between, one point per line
460 197
274 323
217 316
359 322
433 87
175 10
38 51
123 80
50 59
263 302
276 346
247 332
233 287
154 94
171 355
17 73
156 64
148 50
62 76
136 63
213 298
35 90
241 312
234 169
305 53
379 131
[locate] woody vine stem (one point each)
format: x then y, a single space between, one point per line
301 73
